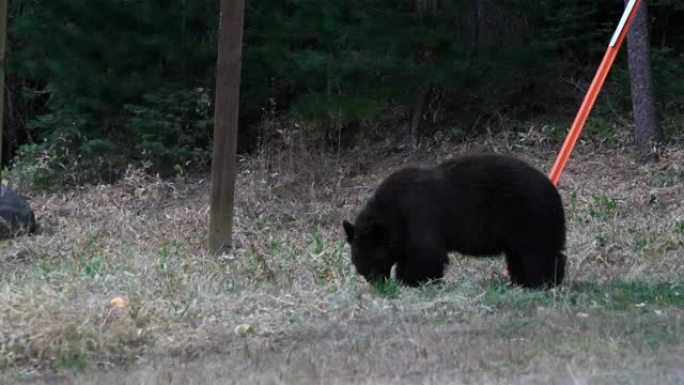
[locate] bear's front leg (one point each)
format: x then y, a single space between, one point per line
422 261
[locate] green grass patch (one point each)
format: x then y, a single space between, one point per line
75 362
667 178
679 225
603 208
431 292
91 269
388 288
617 295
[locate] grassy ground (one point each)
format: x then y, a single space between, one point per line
286 307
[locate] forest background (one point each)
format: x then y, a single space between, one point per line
97 85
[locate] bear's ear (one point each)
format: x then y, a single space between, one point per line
349 230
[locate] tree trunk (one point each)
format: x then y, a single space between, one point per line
423 91
3 29
417 114
226 107
648 132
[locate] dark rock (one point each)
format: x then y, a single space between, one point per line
16 216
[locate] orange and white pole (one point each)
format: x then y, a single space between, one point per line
594 89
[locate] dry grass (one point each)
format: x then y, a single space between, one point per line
312 320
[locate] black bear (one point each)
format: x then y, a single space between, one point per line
477 205
16 216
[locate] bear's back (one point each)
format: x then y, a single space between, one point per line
500 177
471 200
501 198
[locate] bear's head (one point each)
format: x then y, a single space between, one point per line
370 249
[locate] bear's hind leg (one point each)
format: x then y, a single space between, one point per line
536 269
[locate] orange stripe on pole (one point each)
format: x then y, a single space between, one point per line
594 89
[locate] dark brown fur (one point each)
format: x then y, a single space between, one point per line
478 205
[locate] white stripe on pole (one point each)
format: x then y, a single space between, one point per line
623 21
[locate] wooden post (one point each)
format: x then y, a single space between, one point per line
226 108
3 34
